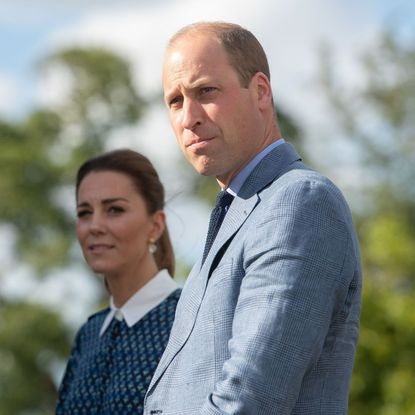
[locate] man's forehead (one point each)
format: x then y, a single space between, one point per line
192 60
195 45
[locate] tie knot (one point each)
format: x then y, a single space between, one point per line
223 199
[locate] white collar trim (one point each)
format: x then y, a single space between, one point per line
144 300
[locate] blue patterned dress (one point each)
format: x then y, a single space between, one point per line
110 374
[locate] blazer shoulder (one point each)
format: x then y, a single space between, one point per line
305 177
305 190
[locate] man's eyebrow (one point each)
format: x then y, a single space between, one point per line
191 86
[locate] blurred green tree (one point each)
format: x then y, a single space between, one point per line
33 340
39 156
378 119
101 98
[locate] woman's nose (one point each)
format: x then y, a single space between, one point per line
97 224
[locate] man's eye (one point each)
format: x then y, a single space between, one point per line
175 101
207 89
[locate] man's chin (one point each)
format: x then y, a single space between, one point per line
203 167
205 172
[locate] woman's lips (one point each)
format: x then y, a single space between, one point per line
98 248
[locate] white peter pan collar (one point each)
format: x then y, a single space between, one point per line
144 300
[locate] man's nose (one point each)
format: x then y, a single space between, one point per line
193 114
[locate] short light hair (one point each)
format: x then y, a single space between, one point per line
245 53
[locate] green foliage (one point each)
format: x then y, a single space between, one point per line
101 81
383 378
32 341
379 120
39 156
102 98
378 117
383 381
290 130
29 179
389 241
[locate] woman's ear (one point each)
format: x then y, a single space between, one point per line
158 222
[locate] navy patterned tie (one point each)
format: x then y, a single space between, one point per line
223 201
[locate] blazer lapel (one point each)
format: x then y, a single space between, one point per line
237 214
196 283
273 165
270 167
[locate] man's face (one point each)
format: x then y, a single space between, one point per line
216 121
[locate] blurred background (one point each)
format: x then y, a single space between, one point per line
80 77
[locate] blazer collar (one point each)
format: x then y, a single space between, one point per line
273 165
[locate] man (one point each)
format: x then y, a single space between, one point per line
268 320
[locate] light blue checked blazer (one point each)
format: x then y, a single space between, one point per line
269 324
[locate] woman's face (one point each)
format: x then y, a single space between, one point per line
113 225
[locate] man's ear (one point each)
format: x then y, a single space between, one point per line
263 90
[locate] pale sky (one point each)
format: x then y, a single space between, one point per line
290 31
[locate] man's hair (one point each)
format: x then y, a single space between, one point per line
245 53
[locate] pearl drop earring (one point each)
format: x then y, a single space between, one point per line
152 247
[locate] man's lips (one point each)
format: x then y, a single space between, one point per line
198 143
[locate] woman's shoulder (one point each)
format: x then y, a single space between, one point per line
94 322
99 315
172 299
175 295
168 306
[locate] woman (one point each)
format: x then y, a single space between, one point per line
122 232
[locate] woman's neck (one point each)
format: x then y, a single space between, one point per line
123 285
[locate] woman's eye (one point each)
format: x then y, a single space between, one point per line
115 210
82 213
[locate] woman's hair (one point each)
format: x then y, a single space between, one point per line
147 183
245 53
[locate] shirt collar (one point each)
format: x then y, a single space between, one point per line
144 300
240 178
